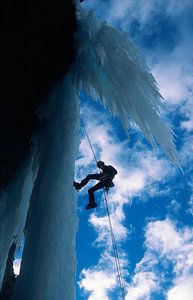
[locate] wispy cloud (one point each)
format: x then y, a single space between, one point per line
169 246
99 280
174 74
143 284
125 11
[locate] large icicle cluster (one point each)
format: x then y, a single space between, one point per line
110 69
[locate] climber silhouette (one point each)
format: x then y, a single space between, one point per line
105 181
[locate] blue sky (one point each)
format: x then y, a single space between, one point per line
152 202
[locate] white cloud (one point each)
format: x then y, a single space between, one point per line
98 283
182 290
188 125
143 284
165 245
101 225
169 76
159 235
100 280
174 73
171 243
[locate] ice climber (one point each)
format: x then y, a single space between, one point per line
105 178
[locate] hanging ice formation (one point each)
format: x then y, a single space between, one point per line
107 67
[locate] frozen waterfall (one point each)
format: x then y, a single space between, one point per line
107 67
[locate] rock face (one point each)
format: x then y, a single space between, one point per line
37 49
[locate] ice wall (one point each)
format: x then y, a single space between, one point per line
48 264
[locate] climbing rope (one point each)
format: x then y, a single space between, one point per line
113 240
89 141
115 250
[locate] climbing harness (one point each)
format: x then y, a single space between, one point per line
113 240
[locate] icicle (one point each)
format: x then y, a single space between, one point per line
13 211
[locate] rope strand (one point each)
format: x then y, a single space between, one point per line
89 141
116 255
114 244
